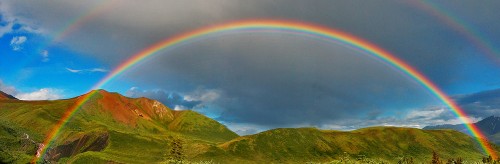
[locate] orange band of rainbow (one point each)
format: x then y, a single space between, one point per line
279 25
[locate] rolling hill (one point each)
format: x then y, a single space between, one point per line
385 143
111 128
128 130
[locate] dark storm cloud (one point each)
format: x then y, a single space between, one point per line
404 28
280 80
481 104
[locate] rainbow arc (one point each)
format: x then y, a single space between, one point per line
277 26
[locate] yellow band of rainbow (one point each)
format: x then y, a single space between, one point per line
278 25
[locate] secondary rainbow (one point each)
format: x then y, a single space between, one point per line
283 26
80 20
465 29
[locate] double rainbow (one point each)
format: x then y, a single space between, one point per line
278 26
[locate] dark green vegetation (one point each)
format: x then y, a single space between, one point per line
490 126
113 128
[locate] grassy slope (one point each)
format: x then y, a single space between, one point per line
197 125
389 143
147 139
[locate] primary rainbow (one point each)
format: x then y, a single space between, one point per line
278 26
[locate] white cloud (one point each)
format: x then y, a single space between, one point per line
42 94
87 70
204 95
418 118
6 28
17 42
98 70
7 89
73 70
245 129
461 120
180 107
45 55
426 114
6 20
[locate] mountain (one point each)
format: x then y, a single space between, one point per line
5 96
111 128
490 126
128 130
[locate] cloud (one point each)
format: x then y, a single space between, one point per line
417 118
40 94
481 104
17 42
245 129
6 21
425 114
281 80
203 95
7 89
10 22
45 55
5 28
172 100
278 79
87 70
477 106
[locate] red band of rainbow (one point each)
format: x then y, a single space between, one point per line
278 25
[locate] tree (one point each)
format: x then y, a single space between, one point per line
488 159
176 150
406 160
435 158
455 161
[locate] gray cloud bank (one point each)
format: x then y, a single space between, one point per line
262 80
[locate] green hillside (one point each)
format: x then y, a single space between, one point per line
108 127
112 128
386 143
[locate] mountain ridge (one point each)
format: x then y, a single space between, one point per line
490 126
109 127
5 96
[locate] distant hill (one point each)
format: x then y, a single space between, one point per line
4 96
490 126
111 128
388 143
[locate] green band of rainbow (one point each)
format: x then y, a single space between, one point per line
278 25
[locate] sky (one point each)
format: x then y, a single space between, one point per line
254 81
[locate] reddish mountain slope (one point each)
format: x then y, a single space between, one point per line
127 110
109 123
5 96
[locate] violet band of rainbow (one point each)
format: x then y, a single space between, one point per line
277 25
465 29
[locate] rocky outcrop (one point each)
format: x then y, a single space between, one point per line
84 143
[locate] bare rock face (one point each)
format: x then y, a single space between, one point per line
162 111
84 143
